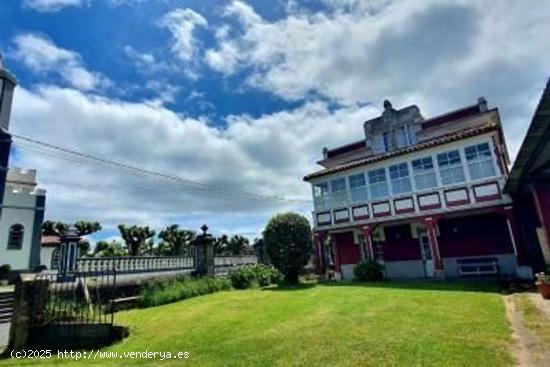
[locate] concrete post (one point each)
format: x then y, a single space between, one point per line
31 295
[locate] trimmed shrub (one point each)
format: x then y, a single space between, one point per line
288 240
5 271
368 270
40 268
181 289
254 276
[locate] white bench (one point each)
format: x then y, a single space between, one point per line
479 266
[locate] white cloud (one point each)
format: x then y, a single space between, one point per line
41 55
438 55
50 5
268 155
182 23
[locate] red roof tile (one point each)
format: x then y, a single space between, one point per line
54 241
458 135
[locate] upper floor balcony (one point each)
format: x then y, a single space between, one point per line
464 174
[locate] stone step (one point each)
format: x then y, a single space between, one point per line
6 295
5 318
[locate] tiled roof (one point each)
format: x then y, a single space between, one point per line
531 148
55 241
454 136
452 116
331 153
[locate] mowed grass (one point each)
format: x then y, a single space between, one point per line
392 324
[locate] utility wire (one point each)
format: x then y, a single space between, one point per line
84 158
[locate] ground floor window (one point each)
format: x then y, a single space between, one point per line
55 259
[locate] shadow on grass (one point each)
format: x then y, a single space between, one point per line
291 287
462 285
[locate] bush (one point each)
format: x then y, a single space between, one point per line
40 268
180 289
5 271
368 270
288 240
254 276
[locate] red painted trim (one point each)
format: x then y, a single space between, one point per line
336 256
345 220
406 210
488 197
457 202
508 212
500 162
381 214
431 222
319 264
541 197
356 217
367 233
456 136
430 206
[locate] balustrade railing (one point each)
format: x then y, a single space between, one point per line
134 264
222 264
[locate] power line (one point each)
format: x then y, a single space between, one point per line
88 159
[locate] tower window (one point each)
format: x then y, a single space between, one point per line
15 239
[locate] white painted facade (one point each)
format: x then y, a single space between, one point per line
23 205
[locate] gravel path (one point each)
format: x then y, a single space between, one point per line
527 349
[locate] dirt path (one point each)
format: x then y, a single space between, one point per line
527 348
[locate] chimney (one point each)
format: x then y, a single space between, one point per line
325 153
482 104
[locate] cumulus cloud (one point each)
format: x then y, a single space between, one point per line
50 5
438 55
41 55
267 155
182 23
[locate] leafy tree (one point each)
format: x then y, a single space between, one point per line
260 251
237 245
83 228
220 243
53 228
56 228
289 244
136 238
112 248
175 241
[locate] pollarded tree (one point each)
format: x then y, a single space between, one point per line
136 238
237 245
112 248
175 241
288 240
56 228
220 244
83 228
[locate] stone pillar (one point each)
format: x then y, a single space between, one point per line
204 253
68 253
431 223
31 295
367 233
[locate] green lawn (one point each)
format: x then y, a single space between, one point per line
394 324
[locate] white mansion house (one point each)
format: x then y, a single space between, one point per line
421 196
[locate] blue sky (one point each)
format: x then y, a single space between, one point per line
244 95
